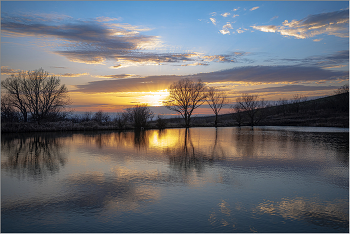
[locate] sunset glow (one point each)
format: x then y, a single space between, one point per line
154 98
114 55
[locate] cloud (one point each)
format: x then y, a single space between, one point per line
240 30
225 28
234 16
332 23
99 41
195 64
340 58
224 31
335 66
272 74
293 88
95 42
224 58
273 18
213 20
226 14
58 67
248 74
86 41
106 19
147 84
236 9
268 28
73 74
5 70
121 76
254 8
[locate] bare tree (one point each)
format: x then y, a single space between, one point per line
14 87
38 93
252 106
185 96
139 115
8 113
282 105
101 117
343 89
160 122
216 101
121 119
87 116
297 100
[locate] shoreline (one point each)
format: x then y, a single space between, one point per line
67 126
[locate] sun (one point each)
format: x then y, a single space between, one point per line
154 98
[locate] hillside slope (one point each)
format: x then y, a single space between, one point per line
332 111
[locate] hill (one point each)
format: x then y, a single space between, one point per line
332 111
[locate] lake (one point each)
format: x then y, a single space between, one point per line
261 179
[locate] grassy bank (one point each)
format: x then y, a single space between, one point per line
330 111
320 120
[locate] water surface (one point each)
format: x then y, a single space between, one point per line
261 179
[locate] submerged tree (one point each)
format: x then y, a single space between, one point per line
216 101
37 93
185 96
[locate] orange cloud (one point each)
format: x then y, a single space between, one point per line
331 23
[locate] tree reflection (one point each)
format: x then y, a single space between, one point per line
245 140
137 139
141 140
36 156
217 152
185 156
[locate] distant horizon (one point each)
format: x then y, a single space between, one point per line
114 55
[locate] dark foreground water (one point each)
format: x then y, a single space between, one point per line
262 179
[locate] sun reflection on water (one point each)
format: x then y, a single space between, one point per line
225 179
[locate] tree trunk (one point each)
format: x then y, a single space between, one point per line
25 116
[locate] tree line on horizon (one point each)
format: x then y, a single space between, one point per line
36 96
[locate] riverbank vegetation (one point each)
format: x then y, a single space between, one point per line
332 111
35 101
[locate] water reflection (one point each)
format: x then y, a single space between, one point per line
136 139
36 156
333 214
227 179
321 213
89 194
184 155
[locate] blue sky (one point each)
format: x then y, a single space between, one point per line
114 54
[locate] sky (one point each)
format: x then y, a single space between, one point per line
115 54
